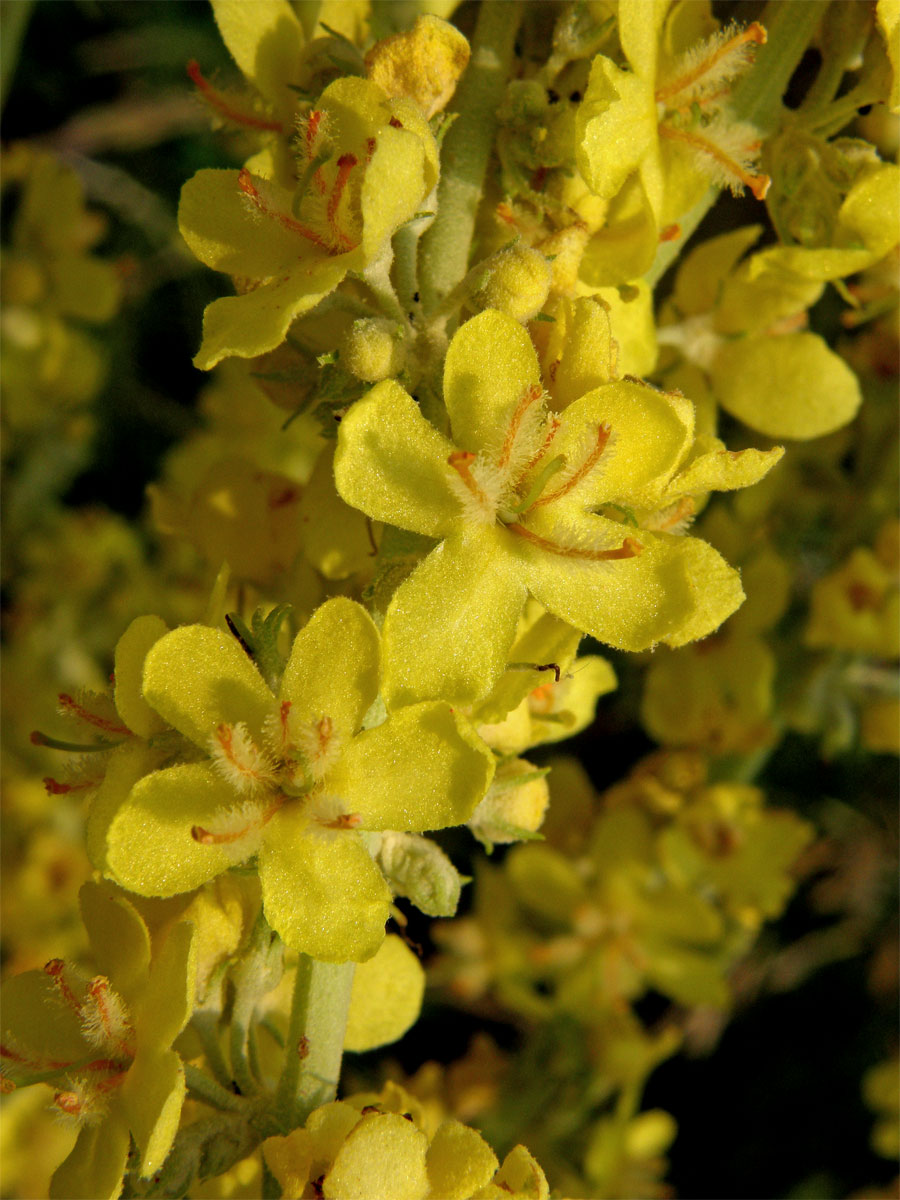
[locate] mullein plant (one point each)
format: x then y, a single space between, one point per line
489 442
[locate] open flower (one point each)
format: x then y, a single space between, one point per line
106 1042
565 507
364 166
293 780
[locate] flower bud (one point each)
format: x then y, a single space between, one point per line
514 806
372 349
516 280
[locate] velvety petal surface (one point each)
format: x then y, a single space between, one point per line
393 186
616 126
424 768
386 998
459 1161
632 603
490 363
258 321
384 1155
723 470
333 667
392 464
198 677
131 650
322 893
127 765
152 1096
786 387
220 230
95 1168
264 39
120 941
450 625
167 1003
36 1021
150 850
651 432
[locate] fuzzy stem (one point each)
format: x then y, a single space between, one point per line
444 252
201 1087
790 29
204 1024
377 276
315 1040
241 1016
406 252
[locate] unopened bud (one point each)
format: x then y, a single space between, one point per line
516 280
371 349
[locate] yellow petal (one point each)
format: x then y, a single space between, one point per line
386 998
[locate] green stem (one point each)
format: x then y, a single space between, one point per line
790 28
444 251
377 277
205 1025
406 250
315 1040
241 1016
201 1087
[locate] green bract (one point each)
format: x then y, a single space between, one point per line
292 779
108 1039
365 165
525 502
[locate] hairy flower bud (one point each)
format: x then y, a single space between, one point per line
372 350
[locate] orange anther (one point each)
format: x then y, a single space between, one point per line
604 432
218 102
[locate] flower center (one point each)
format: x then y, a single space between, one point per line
521 477
292 764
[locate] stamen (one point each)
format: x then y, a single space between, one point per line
552 426
531 394
679 512
312 129
105 1020
344 821
222 106
44 739
603 435
505 213
758 184
72 708
245 183
630 548
345 163
754 34
69 1102
54 968
239 760
253 824
553 467
461 462
53 787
